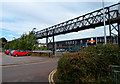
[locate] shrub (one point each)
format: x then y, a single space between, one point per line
89 65
41 54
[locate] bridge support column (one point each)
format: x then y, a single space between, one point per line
110 31
114 32
47 38
53 45
47 42
119 35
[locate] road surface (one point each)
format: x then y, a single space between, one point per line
29 72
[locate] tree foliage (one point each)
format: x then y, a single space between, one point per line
25 42
3 41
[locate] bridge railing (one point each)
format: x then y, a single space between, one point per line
80 23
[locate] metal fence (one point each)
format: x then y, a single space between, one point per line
115 73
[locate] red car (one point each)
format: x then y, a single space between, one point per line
7 52
19 53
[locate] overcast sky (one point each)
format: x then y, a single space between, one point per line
17 18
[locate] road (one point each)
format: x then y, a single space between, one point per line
29 72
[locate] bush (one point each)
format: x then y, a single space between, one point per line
89 65
41 54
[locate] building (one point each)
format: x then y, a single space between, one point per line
78 44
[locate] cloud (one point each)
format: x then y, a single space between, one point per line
58 0
22 17
8 34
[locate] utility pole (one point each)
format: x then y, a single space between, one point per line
119 26
104 22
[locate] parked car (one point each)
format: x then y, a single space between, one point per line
7 52
11 52
60 50
19 53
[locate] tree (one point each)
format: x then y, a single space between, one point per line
4 41
25 42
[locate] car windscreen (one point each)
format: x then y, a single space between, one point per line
22 51
12 51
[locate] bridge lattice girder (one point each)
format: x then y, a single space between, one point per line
87 21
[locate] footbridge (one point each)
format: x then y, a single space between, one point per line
90 20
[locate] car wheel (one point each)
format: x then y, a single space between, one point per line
27 54
16 55
9 54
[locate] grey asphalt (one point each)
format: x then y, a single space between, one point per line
33 72
28 73
9 60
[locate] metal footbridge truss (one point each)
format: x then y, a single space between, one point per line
87 21
90 20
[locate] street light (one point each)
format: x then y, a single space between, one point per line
104 21
33 29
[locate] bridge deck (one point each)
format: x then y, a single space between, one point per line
87 21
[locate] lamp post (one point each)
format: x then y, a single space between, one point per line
33 29
104 22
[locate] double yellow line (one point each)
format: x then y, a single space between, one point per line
50 78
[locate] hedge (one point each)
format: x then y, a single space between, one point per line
89 65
